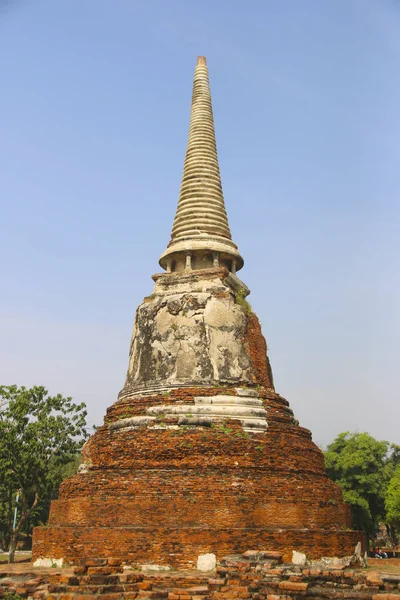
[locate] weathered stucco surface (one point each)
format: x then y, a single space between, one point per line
190 334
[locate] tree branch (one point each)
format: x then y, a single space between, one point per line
26 514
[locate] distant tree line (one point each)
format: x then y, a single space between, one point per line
368 471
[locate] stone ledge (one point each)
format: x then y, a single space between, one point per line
248 410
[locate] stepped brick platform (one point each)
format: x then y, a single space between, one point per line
253 575
189 469
199 454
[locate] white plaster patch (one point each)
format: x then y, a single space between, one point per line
83 468
249 411
48 562
186 361
131 422
218 314
247 392
299 558
189 335
206 562
357 549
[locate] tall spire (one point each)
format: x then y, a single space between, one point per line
201 230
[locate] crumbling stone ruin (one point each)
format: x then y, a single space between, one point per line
252 575
199 454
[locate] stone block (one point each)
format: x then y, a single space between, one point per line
206 562
374 579
299 558
293 586
48 562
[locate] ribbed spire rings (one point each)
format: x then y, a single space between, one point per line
201 222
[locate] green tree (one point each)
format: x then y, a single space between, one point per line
57 474
39 435
392 503
393 461
357 462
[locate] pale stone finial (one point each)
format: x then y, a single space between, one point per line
201 223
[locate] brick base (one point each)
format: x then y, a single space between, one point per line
162 495
180 547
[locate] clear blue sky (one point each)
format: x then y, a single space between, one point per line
94 104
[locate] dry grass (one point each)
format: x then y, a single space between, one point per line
20 557
386 565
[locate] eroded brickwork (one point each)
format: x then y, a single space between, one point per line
178 469
156 494
257 349
253 575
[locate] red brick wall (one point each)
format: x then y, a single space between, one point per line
257 350
180 547
168 495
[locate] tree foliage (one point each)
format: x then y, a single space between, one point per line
392 503
39 436
363 467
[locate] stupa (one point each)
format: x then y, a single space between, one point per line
199 454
